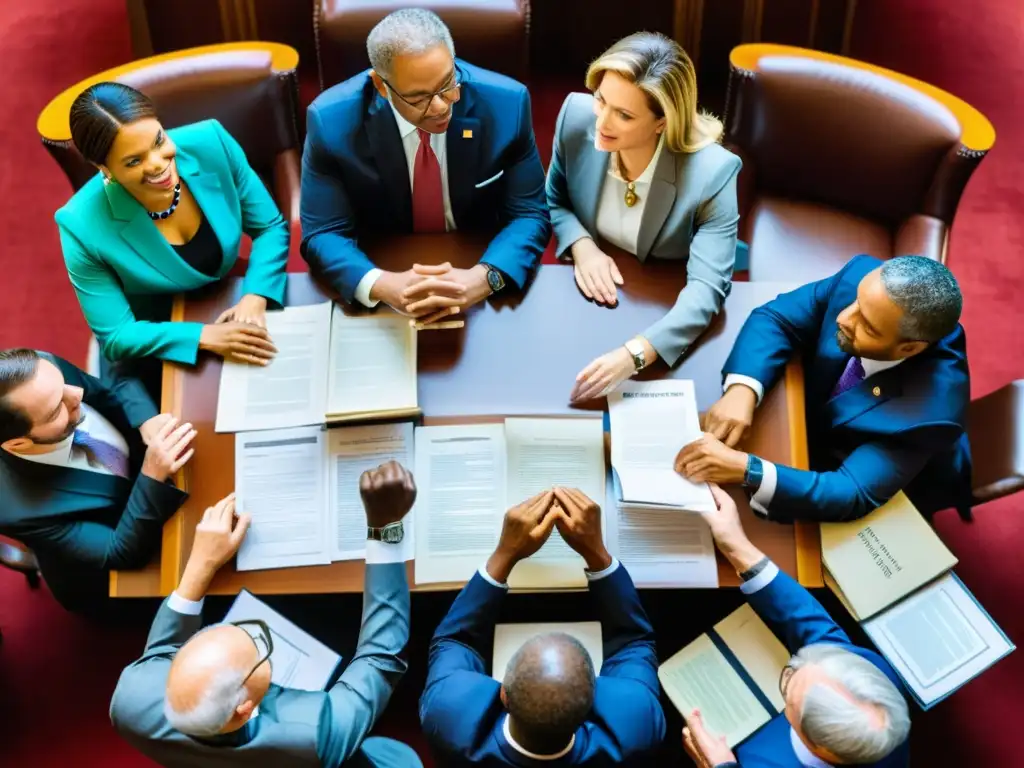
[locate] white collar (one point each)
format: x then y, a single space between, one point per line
804 755
648 174
521 750
60 456
404 126
871 367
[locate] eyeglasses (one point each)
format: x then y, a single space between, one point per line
264 641
449 93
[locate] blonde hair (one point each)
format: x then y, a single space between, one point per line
660 68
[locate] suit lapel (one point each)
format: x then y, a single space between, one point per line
462 145
861 398
660 200
389 157
206 189
47 477
586 191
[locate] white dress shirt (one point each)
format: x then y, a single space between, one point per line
64 454
591 575
807 758
764 495
411 144
617 223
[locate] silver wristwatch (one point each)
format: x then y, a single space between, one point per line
636 349
392 533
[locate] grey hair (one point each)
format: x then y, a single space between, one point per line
223 695
408 31
843 726
927 293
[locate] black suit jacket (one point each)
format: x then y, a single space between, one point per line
74 518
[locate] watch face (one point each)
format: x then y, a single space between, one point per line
494 280
392 533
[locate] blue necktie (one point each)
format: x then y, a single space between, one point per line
102 452
853 375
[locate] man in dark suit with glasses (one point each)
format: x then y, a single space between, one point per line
205 698
422 143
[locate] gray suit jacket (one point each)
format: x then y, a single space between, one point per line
691 215
293 728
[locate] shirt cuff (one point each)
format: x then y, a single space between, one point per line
179 604
364 287
762 580
598 575
379 552
764 495
739 378
487 577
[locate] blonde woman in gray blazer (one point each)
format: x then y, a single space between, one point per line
636 165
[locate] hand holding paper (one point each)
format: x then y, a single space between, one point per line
708 460
705 750
218 537
525 529
728 532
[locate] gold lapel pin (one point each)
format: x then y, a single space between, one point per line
876 391
467 133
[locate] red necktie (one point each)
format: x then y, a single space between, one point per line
427 195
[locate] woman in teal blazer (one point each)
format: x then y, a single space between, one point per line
165 216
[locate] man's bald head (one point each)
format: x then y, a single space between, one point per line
549 689
205 694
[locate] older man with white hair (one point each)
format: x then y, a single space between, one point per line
422 143
201 699
844 704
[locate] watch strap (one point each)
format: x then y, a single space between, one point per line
754 473
759 566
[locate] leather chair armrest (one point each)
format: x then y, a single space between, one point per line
996 429
922 236
287 184
746 188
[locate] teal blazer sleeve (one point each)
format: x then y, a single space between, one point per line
120 264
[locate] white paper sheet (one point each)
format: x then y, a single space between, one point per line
543 453
460 472
279 480
938 638
299 660
373 363
509 638
650 422
292 390
352 451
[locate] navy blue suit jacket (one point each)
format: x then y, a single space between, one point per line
461 708
797 619
864 447
355 179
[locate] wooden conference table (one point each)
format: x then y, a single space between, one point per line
517 356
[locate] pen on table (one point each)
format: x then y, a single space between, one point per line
439 326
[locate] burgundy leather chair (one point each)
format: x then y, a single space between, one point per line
489 33
841 158
251 88
995 427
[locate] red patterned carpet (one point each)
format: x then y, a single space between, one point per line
57 672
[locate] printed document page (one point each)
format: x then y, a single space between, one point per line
650 422
460 502
279 480
509 638
352 451
700 677
757 649
881 558
299 660
543 453
372 364
289 392
938 639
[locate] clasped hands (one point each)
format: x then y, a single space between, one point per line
431 293
528 525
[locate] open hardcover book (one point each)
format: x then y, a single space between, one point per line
301 487
731 674
650 422
509 638
299 660
468 476
892 572
329 367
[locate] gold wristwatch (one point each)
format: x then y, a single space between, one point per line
636 348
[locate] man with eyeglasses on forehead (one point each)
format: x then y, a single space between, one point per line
844 704
204 698
422 143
